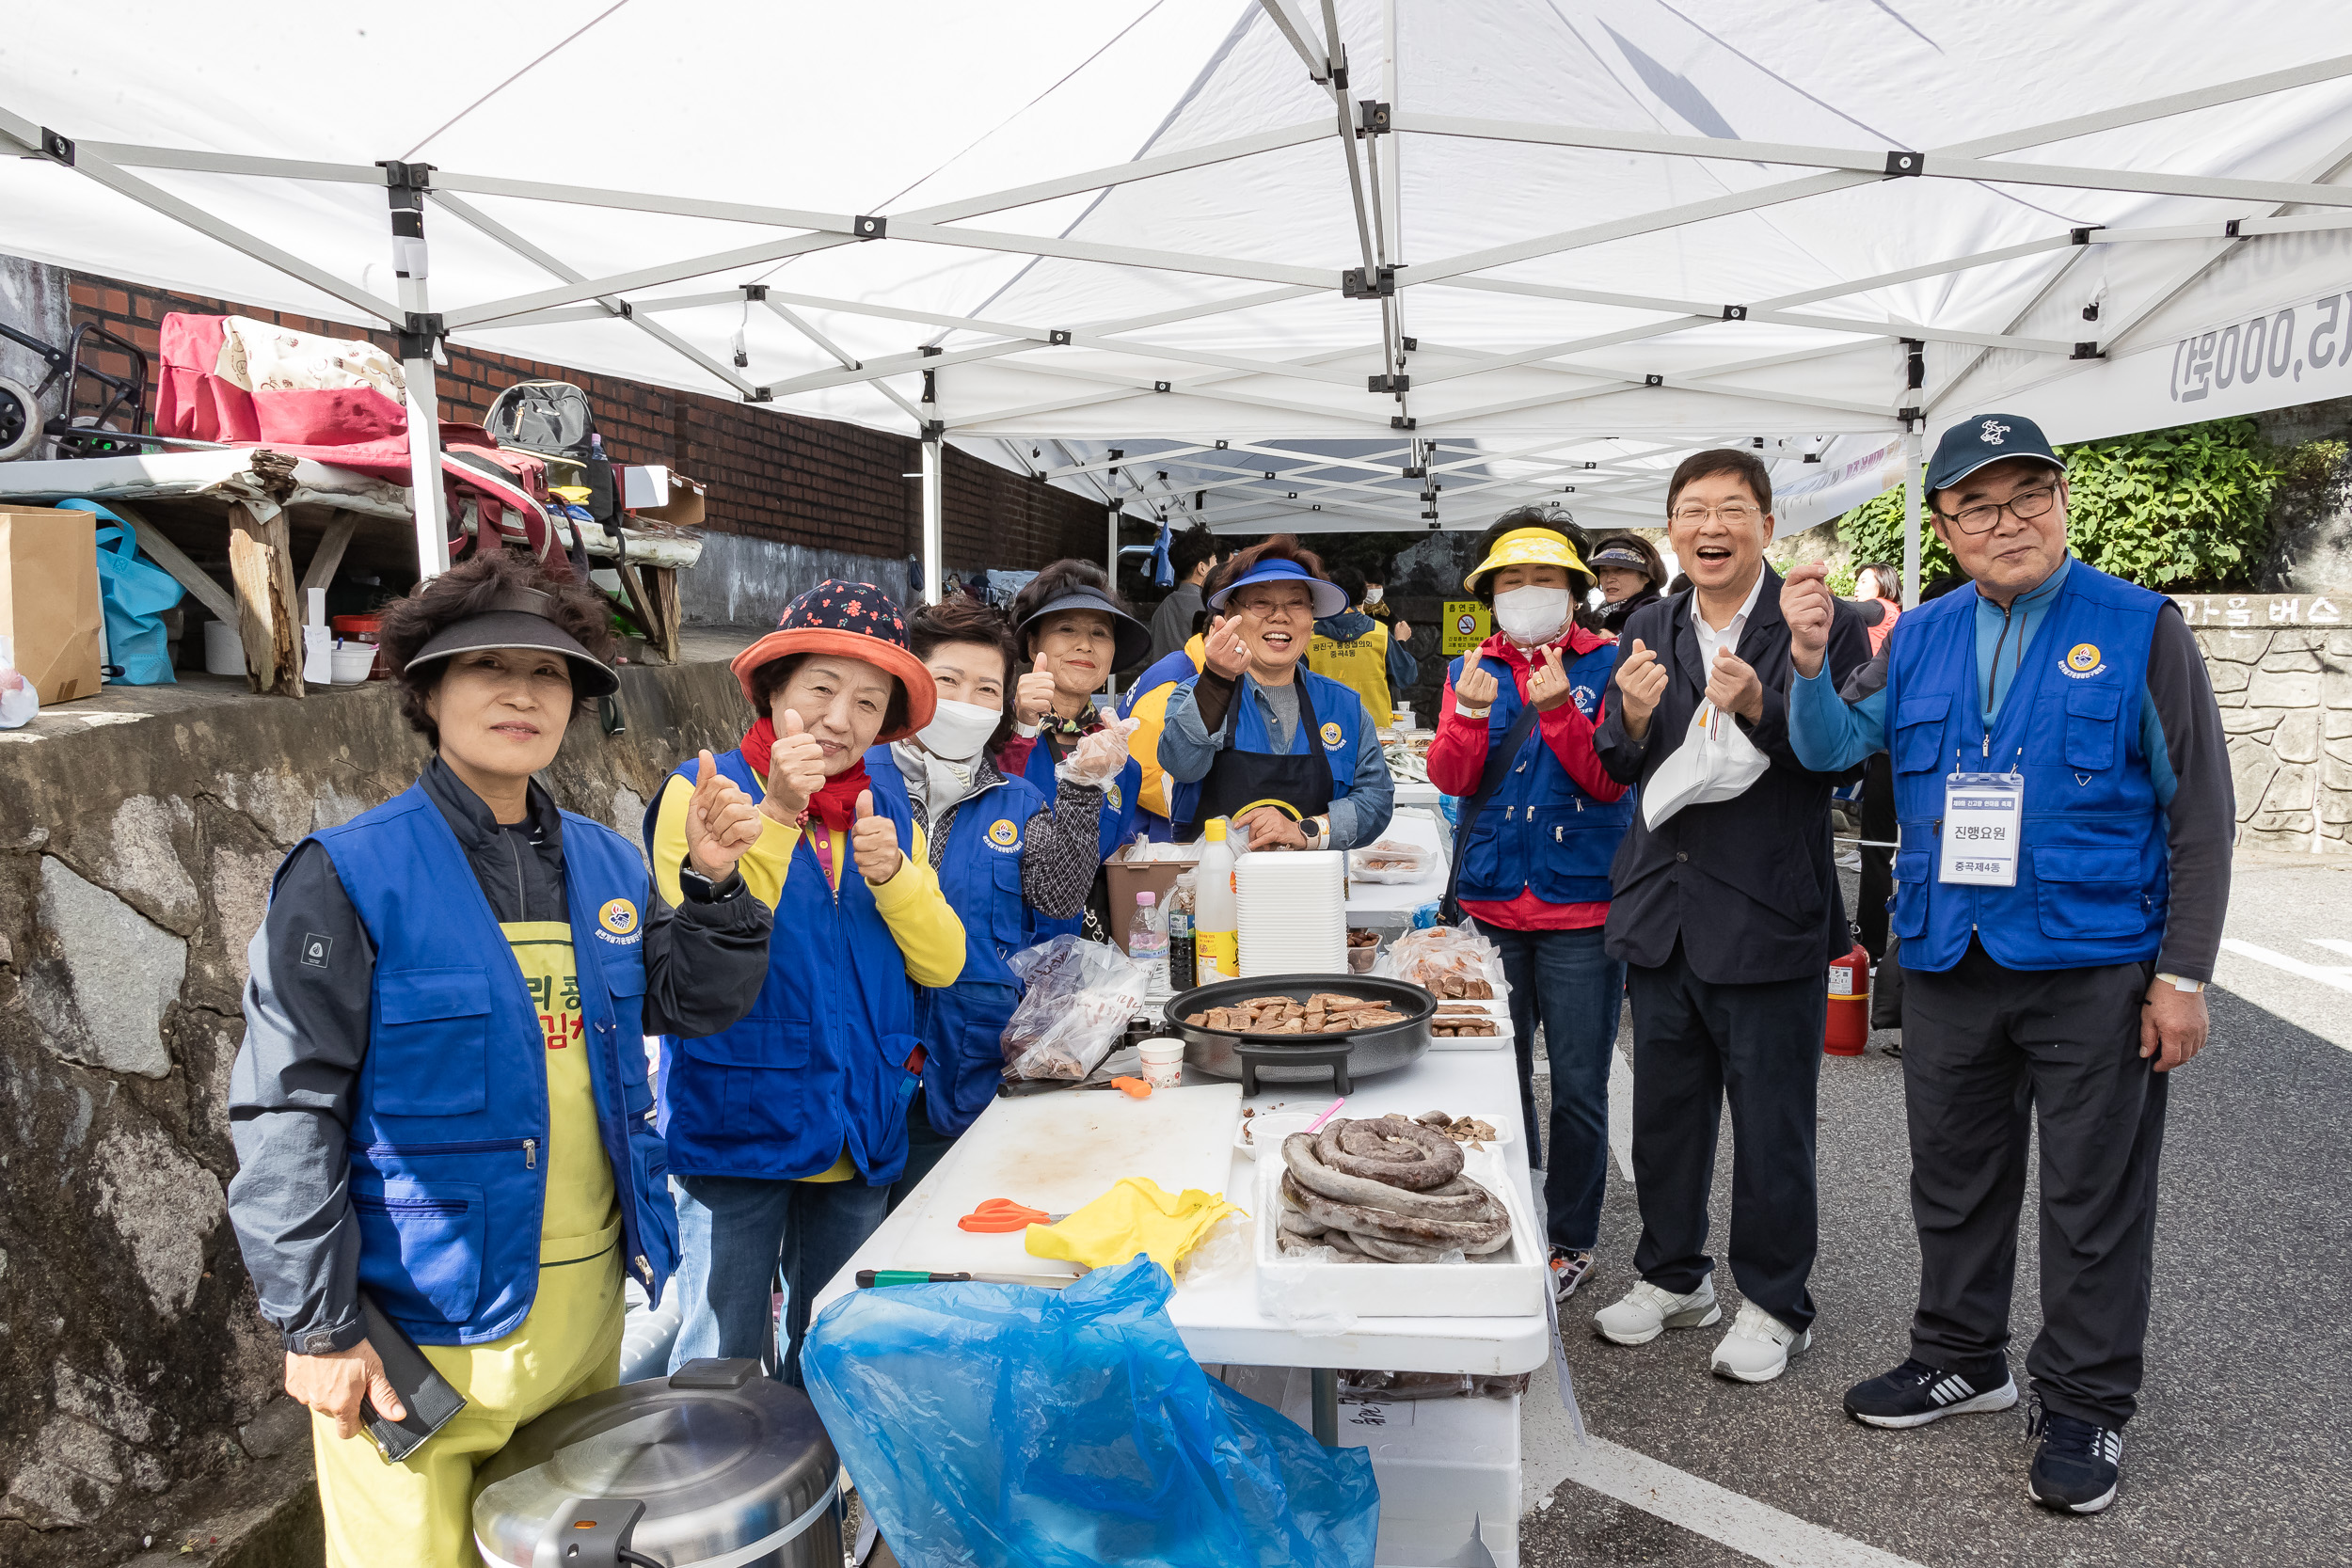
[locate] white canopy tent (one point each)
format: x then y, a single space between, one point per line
1381 264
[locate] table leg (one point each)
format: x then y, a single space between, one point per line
1327 1406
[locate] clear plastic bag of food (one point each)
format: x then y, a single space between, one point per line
1390 861
19 702
1081 995
1452 961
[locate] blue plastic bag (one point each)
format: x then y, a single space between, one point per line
134 592
1005 1426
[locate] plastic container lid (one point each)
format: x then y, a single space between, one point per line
1147 898
1214 831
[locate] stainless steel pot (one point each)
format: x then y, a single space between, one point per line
724 1460
1337 1059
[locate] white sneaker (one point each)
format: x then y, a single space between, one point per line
1758 1346
1646 1312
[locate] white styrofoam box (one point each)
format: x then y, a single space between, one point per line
1507 1283
1496 1041
1445 1466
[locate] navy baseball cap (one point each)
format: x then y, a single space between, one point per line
1983 438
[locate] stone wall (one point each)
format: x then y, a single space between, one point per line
2285 690
138 836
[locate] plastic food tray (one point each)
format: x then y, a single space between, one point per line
1509 1283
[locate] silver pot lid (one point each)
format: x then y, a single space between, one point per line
721 1457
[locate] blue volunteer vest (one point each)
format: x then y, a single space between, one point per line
448 1130
2092 874
1117 820
819 1064
1340 718
1540 831
979 871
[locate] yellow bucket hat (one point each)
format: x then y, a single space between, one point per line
1525 547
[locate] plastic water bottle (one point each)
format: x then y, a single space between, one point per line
1181 963
1147 943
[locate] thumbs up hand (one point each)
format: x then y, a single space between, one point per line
721 822
796 771
874 843
1033 696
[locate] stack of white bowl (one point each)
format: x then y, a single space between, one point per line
1293 909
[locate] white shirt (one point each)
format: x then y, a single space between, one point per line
1728 639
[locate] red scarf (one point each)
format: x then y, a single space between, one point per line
835 805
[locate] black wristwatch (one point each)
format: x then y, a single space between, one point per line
1308 825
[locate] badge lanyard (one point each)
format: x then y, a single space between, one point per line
1983 814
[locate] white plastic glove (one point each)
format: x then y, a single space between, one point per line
1099 756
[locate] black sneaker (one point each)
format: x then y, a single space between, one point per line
1569 1270
2078 1464
1914 1394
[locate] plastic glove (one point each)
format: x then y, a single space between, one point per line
1100 755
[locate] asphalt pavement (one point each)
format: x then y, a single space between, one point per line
2239 1454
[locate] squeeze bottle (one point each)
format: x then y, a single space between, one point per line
1215 935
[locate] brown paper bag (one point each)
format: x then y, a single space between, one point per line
49 598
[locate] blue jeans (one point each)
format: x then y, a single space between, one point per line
1569 981
736 1233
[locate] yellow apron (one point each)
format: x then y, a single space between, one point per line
419 1513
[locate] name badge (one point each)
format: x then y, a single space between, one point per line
1982 815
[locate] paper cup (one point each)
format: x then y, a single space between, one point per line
1163 1061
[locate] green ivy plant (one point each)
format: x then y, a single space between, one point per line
2184 508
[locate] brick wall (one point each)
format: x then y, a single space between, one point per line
774 476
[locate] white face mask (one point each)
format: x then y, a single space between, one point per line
1372 592
1531 616
958 730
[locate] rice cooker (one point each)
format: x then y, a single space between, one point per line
716 1465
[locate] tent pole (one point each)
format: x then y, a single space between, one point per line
935 568
420 330
1914 496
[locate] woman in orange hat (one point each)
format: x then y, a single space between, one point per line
787 1131
1540 821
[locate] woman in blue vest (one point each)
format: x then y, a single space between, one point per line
1541 819
1291 755
442 1100
1005 859
1072 626
787 1131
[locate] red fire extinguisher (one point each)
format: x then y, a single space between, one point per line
1848 1028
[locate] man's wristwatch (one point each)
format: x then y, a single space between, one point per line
1313 828
2192 987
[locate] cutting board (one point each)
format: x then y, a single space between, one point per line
1058 1152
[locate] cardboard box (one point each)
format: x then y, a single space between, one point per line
1125 878
49 608
662 494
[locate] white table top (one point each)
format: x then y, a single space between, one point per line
1219 1318
1417 826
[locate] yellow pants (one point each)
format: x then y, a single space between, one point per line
419 1513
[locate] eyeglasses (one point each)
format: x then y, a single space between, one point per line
2025 506
1737 513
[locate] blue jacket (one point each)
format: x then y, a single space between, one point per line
1540 830
1344 735
820 1062
1118 820
2094 870
979 872
447 1178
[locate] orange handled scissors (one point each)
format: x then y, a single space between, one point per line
1001 1214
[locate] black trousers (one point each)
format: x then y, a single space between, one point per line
1983 1047
1878 866
1696 1044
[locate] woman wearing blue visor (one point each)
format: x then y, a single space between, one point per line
1290 756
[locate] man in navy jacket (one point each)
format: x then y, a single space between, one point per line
1727 914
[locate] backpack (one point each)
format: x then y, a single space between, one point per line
553 419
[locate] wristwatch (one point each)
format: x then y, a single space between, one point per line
1313 828
2192 987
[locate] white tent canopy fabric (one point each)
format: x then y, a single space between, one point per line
1520 246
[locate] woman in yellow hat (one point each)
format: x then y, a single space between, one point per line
1540 821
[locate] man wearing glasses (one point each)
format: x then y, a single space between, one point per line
1725 912
2064 794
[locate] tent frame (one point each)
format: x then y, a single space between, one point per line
1362 491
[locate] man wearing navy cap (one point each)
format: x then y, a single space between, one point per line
2064 788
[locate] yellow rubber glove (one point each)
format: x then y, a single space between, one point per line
1136 1215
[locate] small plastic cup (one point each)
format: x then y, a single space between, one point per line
1163 1061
